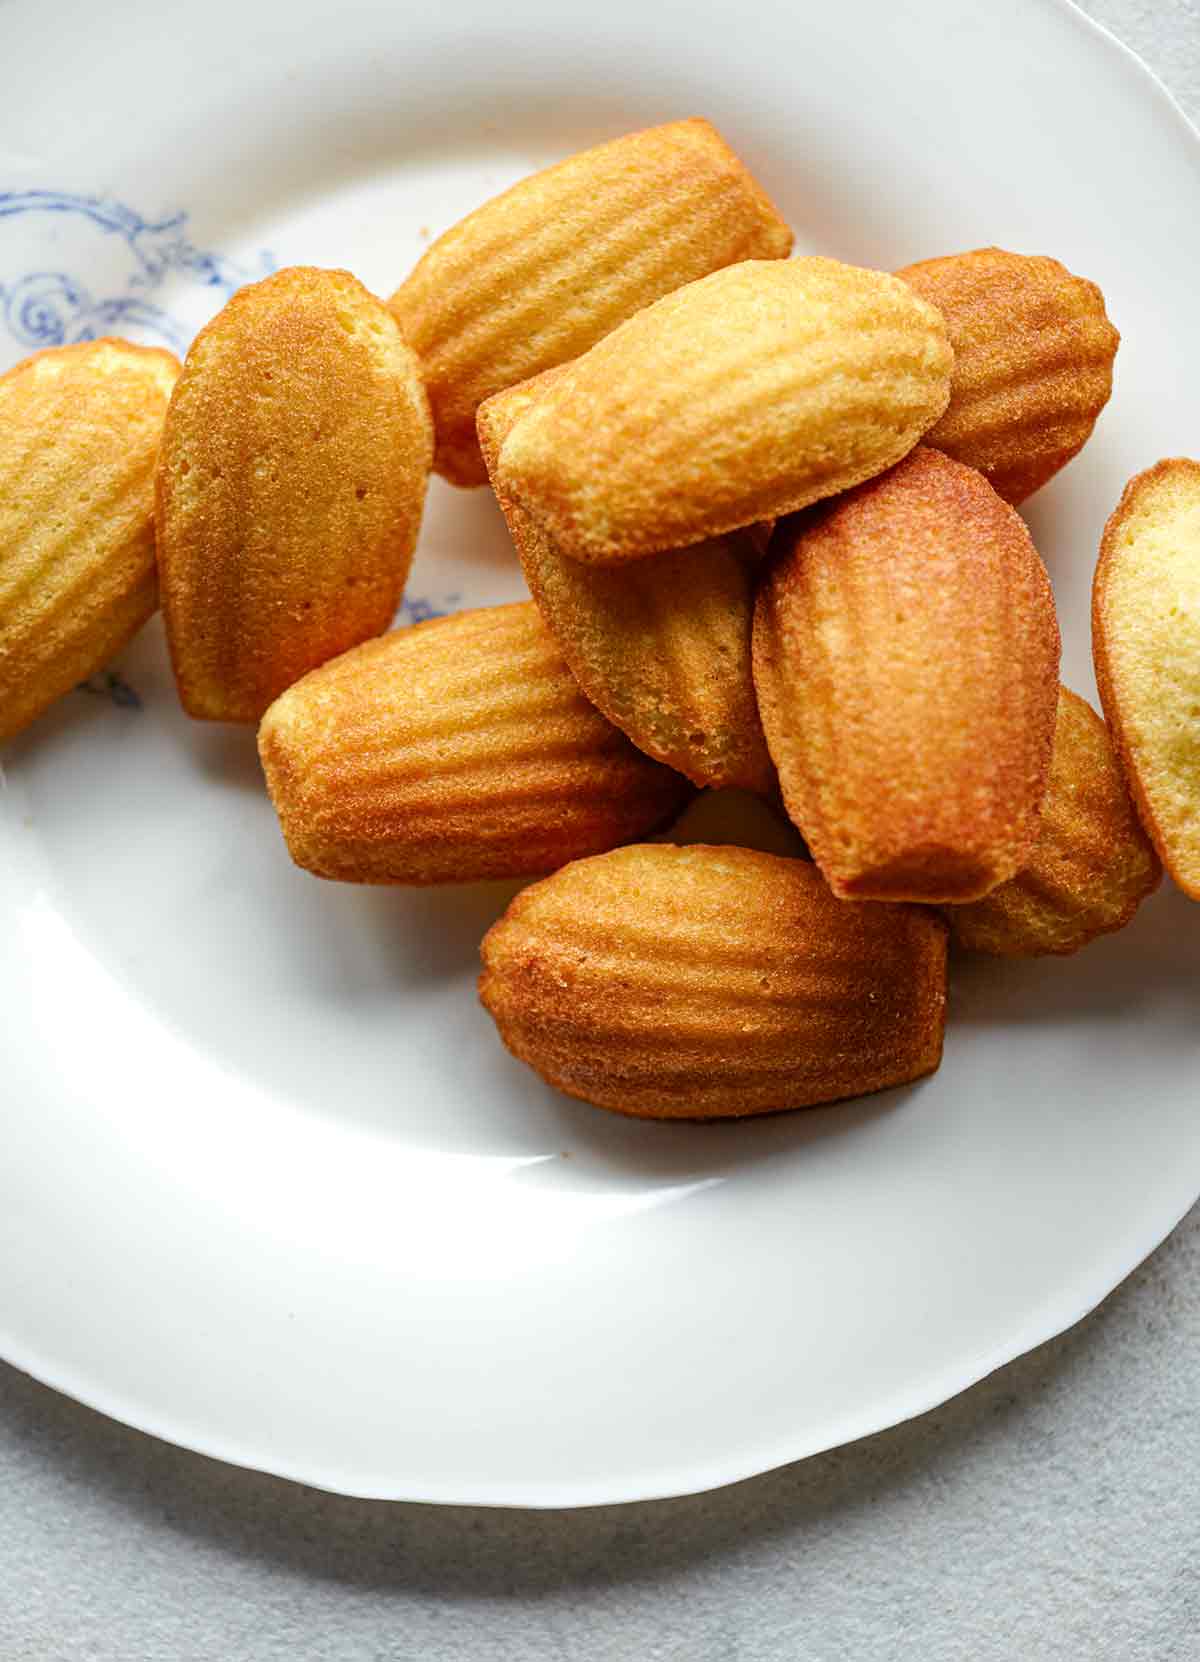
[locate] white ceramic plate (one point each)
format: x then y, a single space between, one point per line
271 1188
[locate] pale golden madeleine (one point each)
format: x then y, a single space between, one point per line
79 433
1146 645
738 398
539 274
662 647
1033 363
458 749
290 488
1092 865
712 982
906 658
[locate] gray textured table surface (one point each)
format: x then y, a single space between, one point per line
1051 1512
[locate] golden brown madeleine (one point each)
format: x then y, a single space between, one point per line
1033 363
455 750
290 488
539 274
711 982
79 432
906 660
1092 865
1146 645
661 647
738 398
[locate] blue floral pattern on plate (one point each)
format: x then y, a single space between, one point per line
419 610
54 307
107 683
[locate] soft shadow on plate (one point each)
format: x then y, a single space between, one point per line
365 945
226 754
434 932
736 817
116 697
467 525
1153 963
74 719
602 1149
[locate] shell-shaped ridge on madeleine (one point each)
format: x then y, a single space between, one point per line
1033 363
709 982
906 657
662 646
79 433
1092 864
540 273
741 397
291 486
452 751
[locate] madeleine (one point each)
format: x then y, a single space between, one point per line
713 982
906 658
456 750
1092 865
79 433
290 488
741 397
1146 646
661 646
539 274
1033 363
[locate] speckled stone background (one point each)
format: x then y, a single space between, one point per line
1052 1512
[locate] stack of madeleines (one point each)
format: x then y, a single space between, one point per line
765 507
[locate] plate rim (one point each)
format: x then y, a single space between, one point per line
922 1398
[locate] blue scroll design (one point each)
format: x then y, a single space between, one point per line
107 683
55 308
420 610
